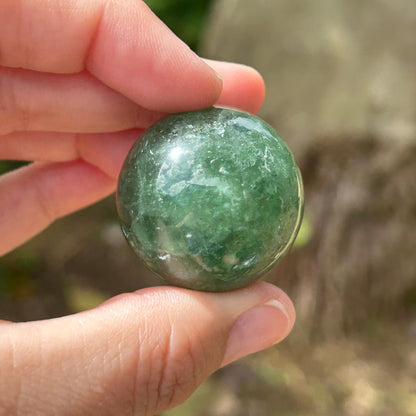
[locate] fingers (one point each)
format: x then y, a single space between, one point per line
123 44
243 86
105 150
34 196
138 353
33 101
67 103
39 146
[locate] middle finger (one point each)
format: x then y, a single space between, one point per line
34 101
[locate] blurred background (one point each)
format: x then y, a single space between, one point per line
341 90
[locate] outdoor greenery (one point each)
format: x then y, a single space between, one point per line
184 17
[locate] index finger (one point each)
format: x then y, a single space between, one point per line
121 43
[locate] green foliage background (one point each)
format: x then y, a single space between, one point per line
184 17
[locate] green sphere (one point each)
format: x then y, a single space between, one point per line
211 199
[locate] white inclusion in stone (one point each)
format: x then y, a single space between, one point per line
163 256
248 263
230 259
266 155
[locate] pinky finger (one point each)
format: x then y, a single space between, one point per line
34 196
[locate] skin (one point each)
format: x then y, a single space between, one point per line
79 81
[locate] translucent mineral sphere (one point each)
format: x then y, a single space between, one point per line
211 199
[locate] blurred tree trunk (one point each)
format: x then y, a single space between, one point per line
341 90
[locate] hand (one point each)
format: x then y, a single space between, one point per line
79 81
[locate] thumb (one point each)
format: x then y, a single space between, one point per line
137 353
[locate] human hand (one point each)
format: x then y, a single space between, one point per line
79 81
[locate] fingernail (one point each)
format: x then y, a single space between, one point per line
213 71
257 329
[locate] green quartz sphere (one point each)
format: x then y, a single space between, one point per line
211 199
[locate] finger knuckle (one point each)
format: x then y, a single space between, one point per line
43 202
13 113
176 369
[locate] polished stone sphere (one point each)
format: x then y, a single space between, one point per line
210 199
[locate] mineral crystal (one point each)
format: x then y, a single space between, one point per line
210 199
